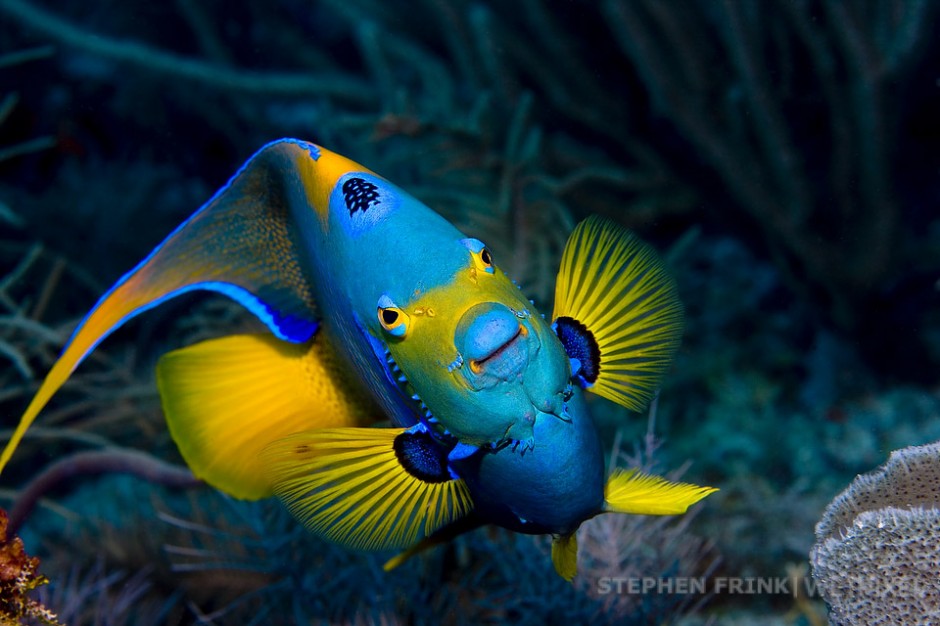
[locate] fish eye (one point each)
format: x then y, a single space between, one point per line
389 317
482 257
392 318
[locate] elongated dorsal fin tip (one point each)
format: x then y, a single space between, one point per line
241 243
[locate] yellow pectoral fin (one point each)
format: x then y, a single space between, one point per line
617 311
226 399
630 491
565 555
367 488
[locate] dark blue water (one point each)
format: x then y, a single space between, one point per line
783 159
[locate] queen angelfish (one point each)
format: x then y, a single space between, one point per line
380 311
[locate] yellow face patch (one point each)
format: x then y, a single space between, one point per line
483 364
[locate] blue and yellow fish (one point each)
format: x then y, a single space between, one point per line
379 309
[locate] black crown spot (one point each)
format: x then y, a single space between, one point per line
360 195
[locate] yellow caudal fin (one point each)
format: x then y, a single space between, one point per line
617 312
367 488
226 399
631 491
565 555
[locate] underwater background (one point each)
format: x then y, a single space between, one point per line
783 156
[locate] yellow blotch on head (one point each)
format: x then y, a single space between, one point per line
319 176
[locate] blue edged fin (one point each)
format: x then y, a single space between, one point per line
242 243
617 312
226 399
565 555
367 488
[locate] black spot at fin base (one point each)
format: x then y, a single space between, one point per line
422 457
580 344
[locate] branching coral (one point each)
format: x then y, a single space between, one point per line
19 576
156 60
471 103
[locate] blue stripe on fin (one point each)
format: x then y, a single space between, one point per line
244 243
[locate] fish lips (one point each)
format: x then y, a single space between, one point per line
495 342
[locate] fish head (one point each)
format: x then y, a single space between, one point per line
454 331
484 364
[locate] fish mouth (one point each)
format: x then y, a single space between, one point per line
493 340
510 348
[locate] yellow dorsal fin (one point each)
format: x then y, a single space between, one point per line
226 399
631 491
617 311
367 488
565 555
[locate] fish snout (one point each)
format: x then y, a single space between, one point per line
492 340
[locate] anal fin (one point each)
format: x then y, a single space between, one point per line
617 312
367 488
226 399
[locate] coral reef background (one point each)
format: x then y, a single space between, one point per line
784 156
877 544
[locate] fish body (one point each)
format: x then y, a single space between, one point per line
551 488
380 308
379 248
